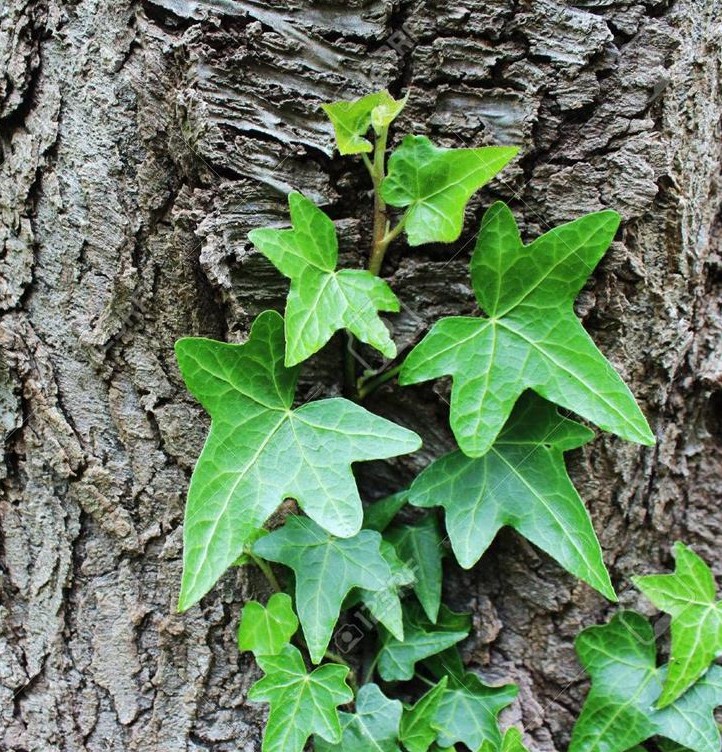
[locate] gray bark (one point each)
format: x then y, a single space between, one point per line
141 141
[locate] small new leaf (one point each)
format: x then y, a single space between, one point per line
260 451
468 712
420 546
323 300
326 568
351 120
266 631
531 338
512 742
521 482
689 596
436 184
302 704
422 639
418 723
374 727
619 711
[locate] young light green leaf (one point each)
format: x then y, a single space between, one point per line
418 723
689 596
468 712
351 120
378 516
512 742
373 728
266 631
436 184
532 339
323 300
385 605
420 546
421 640
327 569
619 711
260 452
521 482
301 704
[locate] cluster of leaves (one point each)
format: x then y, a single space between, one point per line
511 367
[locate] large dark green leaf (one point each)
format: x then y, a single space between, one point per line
626 683
530 337
260 452
521 482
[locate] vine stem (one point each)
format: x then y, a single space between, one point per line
382 237
372 384
265 567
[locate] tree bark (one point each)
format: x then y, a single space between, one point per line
142 141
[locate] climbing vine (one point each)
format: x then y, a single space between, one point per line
512 366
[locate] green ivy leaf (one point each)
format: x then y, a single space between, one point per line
373 728
266 631
532 339
351 120
436 184
421 639
322 300
327 569
418 723
512 742
619 711
468 712
521 482
420 546
378 516
260 452
689 596
385 605
301 703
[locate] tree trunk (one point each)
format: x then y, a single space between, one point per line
141 142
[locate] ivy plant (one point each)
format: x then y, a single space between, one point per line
357 648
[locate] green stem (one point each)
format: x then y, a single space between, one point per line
371 385
378 172
265 567
425 680
349 368
329 655
369 675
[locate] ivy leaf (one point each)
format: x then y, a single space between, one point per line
619 711
512 742
422 639
260 452
468 712
420 546
521 482
326 568
436 184
689 596
378 516
266 631
301 703
532 339
322 300
374 727
385 605
351 120
418 724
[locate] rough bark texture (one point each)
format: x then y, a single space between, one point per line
141 141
